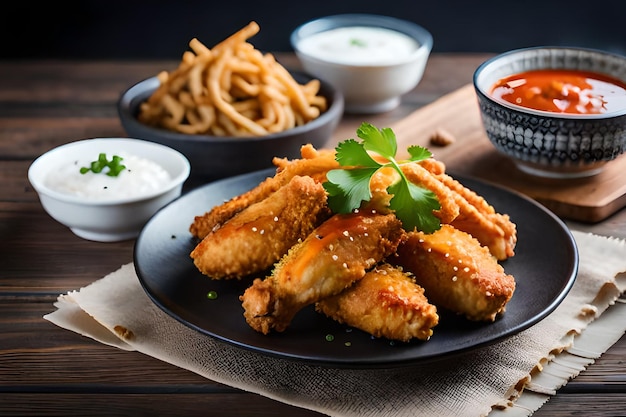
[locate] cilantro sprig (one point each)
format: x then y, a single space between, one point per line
114 165
349 186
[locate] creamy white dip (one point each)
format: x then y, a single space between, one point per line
140 177
359 45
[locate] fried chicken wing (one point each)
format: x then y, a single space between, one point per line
466 210
386 302
460 206
257 237
457 272
480 219
330 259
313 164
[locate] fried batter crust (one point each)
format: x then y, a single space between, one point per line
257 237
460 206
385 303
330 259
478 218
313 163
466 210
457 272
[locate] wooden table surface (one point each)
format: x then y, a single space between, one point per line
46 370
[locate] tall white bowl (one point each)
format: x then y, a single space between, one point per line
372 86
112 219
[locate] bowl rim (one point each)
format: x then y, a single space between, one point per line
128 113
38 183
521 51
322 24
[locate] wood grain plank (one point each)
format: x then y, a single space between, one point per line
59 404
38 255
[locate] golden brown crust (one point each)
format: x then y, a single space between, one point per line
314 164
257 237
330 259
457 272
213 219
417 174
478 218
385 303
464 209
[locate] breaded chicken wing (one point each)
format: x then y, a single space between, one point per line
257 237
330 259
477 217
457 272
386 302
460 206
314 164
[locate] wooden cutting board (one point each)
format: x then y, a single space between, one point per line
589 199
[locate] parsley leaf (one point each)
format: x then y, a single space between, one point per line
381 141
405 196
349 186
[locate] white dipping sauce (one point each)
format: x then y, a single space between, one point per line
140 177
359 45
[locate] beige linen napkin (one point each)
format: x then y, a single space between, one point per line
116 311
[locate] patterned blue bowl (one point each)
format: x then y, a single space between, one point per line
549 144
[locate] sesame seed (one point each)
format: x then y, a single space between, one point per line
454 278
455 268
345 265
275 218
254 229
346 233
335 257
466 269
263 231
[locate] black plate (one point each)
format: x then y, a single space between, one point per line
545 266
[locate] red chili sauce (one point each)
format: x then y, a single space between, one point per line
563 91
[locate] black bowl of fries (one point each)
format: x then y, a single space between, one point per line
218 156
231 109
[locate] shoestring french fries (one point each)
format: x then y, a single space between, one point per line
232 89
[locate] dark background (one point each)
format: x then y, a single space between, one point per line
162 29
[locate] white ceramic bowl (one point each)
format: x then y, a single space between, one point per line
372 70
549 144
114 218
